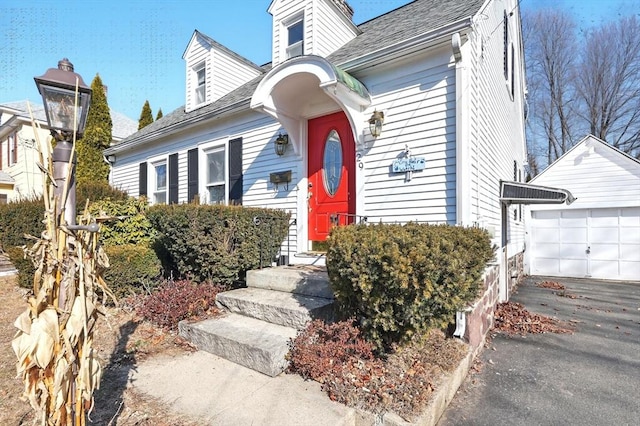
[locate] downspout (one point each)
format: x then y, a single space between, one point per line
463 175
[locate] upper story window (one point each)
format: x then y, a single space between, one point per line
216 178
295 41
12 149
201 84
159 182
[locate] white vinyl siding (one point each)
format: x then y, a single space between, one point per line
496 128
419 107
223 72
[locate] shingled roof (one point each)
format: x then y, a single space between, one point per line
392 28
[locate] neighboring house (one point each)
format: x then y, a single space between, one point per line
448 77
598 235
19 156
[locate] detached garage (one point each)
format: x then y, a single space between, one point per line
598 235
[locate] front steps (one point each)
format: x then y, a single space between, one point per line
262 318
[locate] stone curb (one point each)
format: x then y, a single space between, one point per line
442 396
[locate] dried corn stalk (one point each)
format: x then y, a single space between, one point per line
54 341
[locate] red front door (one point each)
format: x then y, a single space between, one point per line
331 174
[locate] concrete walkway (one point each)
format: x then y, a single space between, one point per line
591 377
222 393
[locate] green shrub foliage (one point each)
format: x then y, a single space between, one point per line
21 218
98 190
402 280
217 243
23 264
133 269
132 227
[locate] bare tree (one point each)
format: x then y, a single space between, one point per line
608 82
550 46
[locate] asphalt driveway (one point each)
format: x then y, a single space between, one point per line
590 377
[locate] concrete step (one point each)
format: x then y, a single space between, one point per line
276 307
308 280
252 343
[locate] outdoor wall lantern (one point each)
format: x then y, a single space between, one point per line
58 90
280 144
375 123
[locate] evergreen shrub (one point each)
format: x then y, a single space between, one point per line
23 264
218 243
132 228
20 218
134 269
400 281
97 190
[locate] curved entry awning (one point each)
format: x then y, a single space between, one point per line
311 86
524 193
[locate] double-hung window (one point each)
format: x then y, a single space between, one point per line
159 182
295 39
201 84
216 175
12 149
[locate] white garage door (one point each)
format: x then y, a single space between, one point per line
598 243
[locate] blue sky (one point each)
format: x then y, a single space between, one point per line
136 45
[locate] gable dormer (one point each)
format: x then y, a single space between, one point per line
213 70
310 27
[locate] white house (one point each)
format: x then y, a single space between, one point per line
20 175
598 235
447 77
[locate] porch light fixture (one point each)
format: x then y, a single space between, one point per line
375 123
280 144
58 89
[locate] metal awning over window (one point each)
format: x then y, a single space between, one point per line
524 193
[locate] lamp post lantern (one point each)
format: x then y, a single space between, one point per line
66 118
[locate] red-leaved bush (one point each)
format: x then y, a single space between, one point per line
179 300
337 356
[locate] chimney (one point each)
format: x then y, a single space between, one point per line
344 8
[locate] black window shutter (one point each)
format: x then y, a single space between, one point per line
142 180
235 171
192 174
173 179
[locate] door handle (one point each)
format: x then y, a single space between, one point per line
588 250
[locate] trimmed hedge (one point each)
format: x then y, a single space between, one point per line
134 269
135 228
402 280
217 243
23 264
98 190
19 218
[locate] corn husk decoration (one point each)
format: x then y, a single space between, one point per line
54 341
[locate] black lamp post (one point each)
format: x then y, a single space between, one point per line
58 89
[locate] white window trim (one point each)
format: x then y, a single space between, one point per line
196 69
203 169
151 178
284 31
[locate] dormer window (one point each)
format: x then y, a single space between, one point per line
201 84
295 31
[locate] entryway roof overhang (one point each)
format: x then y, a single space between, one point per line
293 91
525 193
